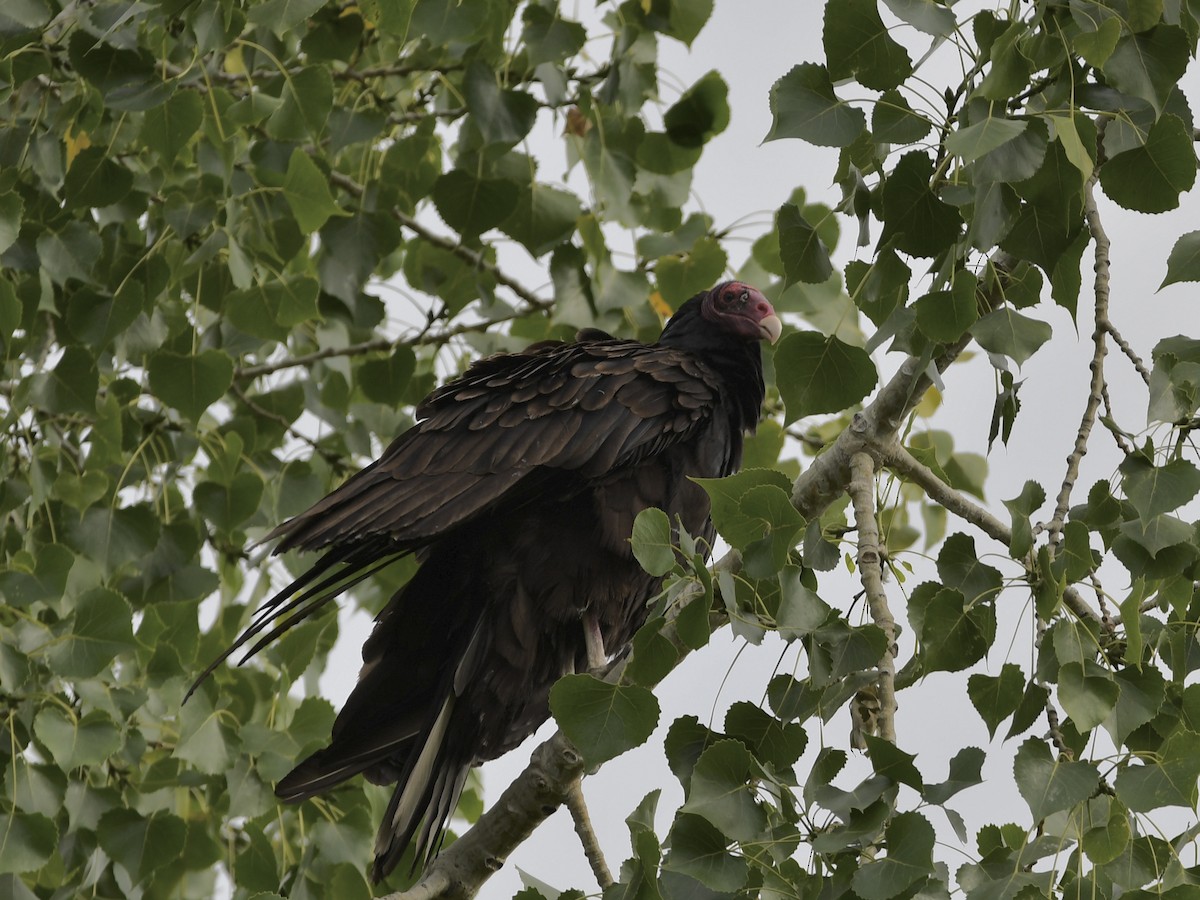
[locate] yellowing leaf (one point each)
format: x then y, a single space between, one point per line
660 305
75 143
234 64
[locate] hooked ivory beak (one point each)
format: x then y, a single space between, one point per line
771 327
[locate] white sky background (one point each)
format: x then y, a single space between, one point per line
752 43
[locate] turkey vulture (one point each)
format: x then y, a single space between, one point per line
516 490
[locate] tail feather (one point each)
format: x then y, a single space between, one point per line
336 763
425 796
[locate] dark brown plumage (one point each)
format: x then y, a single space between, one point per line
517 490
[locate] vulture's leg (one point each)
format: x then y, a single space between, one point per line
593 640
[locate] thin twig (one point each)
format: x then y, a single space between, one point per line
474 257
1107 325
913 470
896 457
376 345
587 834
870 567
332 458
1096 389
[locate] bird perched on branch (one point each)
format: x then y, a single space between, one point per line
516 490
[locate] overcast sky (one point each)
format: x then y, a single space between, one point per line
752 43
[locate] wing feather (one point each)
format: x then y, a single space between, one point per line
588 407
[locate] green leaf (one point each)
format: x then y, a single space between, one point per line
686 739
1032 705
548 37
1097 46
686 18
95 180
772 741
894 121
966 770
101 631
307 193
801 612
190 383
71 386
1021 508
306 100
1174 379
141 844
996 698
1010 68
909 838
1150 178
924 15
1169 780
1051 785
652 544
700 850
77 742
27 841
352 247
603 720
955 634
1141 698
282 16
893 763
226 507
857 44
1154 490
682 277
169 128
205 742
944 316
731 520
1007 332
1182 265
1088 695
1107 838
960 568
700 114
804 106
1066 132
470 205
1149 65
803 253
654 656
543 217
915 220
502 116
720 792
975 140
819 374
385 380
11 208
97 319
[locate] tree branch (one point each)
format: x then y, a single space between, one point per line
587 834
912 469
375 345
870 567
1096 389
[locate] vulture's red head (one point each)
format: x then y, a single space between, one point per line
742 310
